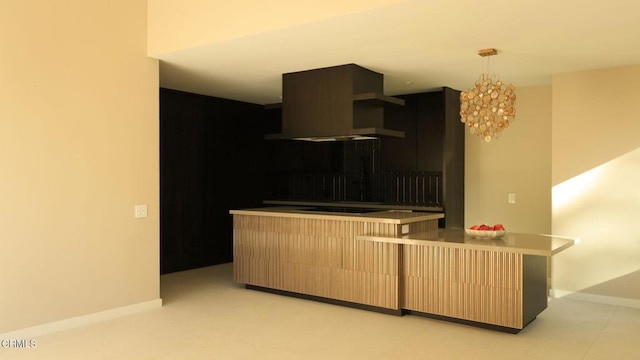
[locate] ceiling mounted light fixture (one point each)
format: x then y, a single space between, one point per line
489 107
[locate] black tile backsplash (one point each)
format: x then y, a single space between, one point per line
362 178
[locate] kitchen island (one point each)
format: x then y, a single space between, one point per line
306 251
395 262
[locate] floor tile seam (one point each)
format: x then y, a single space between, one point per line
601 332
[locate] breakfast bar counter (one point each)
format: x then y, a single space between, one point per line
528 244
395 262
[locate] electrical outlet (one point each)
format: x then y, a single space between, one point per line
140 211
512 198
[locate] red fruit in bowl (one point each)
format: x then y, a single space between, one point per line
498 227
474 227
484 227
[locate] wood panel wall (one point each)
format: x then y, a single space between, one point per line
204 173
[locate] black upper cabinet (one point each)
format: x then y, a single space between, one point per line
399 154
423 121
430 121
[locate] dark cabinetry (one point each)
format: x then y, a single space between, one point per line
213 158
428 164
424 170
210 151
427 139
453 160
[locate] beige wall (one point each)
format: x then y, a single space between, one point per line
176 25
78 148
518 162
573 160
595 118
595 173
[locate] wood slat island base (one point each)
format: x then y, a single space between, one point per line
318 255
396 263
497 290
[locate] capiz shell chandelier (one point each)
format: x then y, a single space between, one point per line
489 107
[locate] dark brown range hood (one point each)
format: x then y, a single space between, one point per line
336 103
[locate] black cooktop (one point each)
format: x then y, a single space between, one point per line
347 210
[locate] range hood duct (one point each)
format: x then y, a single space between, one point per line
336 103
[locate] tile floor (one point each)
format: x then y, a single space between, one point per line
207 316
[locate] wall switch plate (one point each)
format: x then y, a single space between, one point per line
512 198
140 211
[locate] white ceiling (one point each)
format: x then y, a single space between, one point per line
420 46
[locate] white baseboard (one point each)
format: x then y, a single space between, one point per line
66 324
601 299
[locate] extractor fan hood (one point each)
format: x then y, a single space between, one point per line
336 103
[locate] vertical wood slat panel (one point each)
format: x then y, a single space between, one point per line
476 285
318 257
423 227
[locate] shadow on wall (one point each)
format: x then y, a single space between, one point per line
602 208
617 283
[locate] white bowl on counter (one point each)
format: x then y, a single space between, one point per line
486 234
